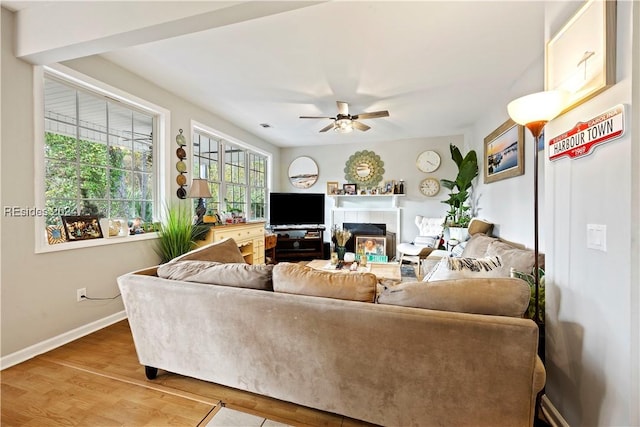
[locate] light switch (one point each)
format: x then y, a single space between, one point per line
597 237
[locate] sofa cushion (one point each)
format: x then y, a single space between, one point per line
493 296
299 279
467 268
225 250
476 246
477 225
240 275
519 259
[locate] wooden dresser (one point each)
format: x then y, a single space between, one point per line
249 236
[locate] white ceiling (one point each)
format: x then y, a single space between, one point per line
435 66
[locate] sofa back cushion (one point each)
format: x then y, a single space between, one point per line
493 296
299 279
476 246
239 275
225 250
512 257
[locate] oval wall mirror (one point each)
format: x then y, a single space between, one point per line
303 172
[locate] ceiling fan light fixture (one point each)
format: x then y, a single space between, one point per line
343 126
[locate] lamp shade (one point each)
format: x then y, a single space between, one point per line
537 107
199 188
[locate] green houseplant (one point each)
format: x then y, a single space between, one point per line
178 233
459 214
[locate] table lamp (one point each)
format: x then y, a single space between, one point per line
200 190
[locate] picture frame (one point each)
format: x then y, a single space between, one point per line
83 227
580 58
504 152
56 234
349 189
371 245
332 187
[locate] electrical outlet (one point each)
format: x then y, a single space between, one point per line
81 294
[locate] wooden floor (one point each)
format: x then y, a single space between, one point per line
97 381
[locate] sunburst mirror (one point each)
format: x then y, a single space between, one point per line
364 168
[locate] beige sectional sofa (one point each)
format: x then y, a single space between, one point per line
337 343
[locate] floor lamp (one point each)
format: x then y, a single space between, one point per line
534 111
200 190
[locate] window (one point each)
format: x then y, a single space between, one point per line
100 151
98 155
237 175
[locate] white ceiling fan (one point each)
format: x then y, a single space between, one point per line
345 122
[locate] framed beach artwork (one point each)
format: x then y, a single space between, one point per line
580 59
504 152
303 172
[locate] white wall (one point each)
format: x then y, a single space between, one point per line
593 298
399 159
39 290
592 378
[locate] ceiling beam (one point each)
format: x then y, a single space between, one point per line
60 31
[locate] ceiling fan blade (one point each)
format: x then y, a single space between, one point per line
326 128
343 108
372 115
316 117
360 126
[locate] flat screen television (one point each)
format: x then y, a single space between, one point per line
296 209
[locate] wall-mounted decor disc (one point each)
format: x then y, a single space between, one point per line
181 180
181 153
181 166
180 139
182 193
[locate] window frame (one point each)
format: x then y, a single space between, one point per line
160 164
223 141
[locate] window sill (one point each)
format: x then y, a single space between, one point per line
67 246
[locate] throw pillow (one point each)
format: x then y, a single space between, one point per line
493 296
299 279
477 225
225 250
466 268
519 259
477 246
240 275
458 249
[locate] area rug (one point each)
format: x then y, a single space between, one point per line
226 417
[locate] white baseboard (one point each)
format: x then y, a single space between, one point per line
55 342
551 413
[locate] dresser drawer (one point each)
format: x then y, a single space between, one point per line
239 233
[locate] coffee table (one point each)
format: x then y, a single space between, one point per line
383 270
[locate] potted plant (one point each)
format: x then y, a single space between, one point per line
459 214
178 234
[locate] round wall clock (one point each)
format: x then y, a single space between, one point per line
430 187
428 161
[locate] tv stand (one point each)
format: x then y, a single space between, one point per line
299 242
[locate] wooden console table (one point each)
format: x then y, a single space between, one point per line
248 235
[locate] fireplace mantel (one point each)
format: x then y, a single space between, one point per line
378 208
366 199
